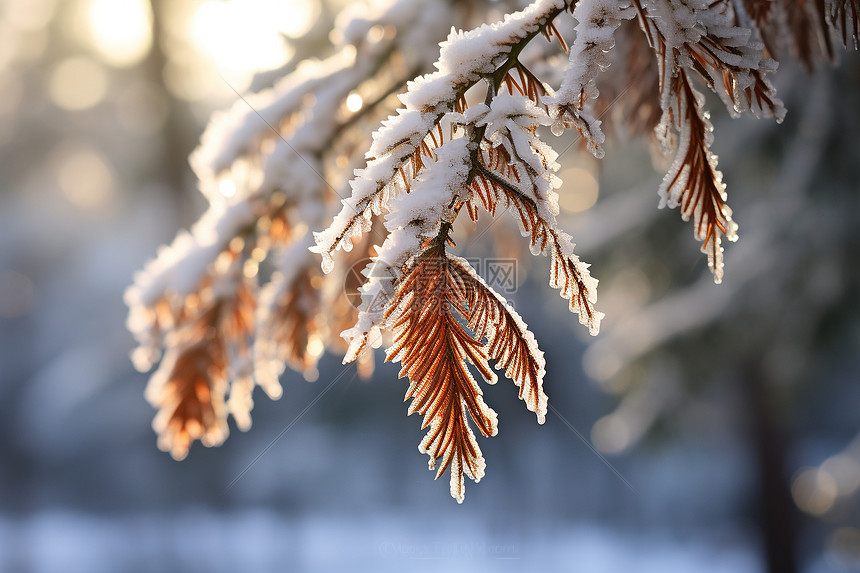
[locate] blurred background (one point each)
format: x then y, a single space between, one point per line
727 416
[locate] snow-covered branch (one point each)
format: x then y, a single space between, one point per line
242 295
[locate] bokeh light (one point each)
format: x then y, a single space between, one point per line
311 374
814 491
611 434
120 30
227 187
77 83
354 102
315 346
579 192
845 471
85 177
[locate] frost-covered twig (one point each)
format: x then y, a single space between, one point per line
492 153
264 166
272 164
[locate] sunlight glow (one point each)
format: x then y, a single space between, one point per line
121 30
292 18
242 37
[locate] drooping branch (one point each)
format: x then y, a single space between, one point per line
518 167
434 348
693 182
733 66
265 167
445 317
589 54
262 166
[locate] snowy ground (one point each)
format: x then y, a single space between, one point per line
252 541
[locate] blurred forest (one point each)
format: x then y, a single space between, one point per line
732 409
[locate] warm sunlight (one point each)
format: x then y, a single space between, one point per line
488 232
121 30
244 37
292 18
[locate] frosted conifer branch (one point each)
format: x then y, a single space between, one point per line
519 168
265 188
598 20
210 338
244 275
693 182
700 37
808 31
436 298
289 310
414 288
465 58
